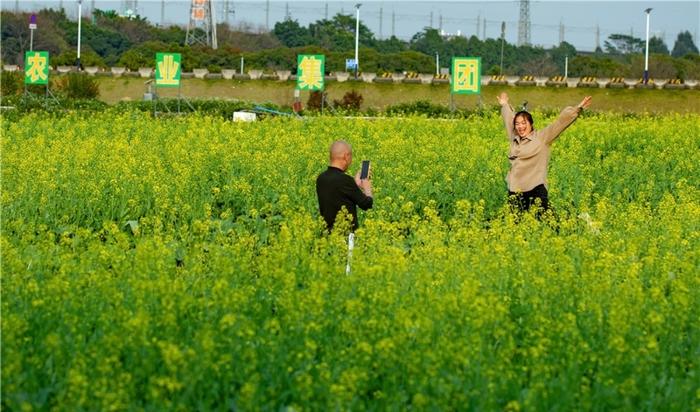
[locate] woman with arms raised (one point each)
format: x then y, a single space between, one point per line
529 152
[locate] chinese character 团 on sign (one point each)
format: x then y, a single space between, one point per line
466 75
36 67
310 71
168 69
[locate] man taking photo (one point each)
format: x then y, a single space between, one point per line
337 190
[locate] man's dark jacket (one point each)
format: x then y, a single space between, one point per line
336 189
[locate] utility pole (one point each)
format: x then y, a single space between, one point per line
484 35
229 11
393 23
326 14
267 15
597 36
561 32
162 13
503 40
440 23
431 20
478 25
381 22
286 12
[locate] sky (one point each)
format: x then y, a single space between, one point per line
584 24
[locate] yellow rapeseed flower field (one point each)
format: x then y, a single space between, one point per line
179 264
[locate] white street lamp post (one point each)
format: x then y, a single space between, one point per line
646 54
80 15
357 39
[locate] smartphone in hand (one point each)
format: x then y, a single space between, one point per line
364 172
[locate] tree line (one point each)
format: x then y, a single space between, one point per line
112 40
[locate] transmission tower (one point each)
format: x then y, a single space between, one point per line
201 27
524 23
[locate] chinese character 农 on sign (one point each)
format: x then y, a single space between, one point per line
36 67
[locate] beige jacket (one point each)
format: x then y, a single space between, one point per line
529 155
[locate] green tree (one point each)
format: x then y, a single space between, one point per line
560 53
87 58
623 44
684 45
391 45
429 41
657 45
596 66
291 34
338 34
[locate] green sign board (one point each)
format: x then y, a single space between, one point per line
310 71
36 67
168 69
466 75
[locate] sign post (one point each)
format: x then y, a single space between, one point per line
36 70
311 69
466 77
168 71
32 27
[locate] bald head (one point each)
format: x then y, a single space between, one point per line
341 154
339 149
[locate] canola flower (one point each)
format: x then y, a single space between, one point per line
178 264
